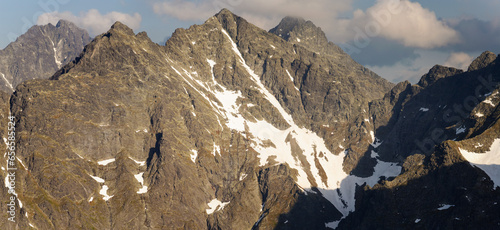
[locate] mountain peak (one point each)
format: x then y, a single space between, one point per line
482 61
46 48
120 27
224 11
437 72
224 16
65 23
306 34
291 28
230 22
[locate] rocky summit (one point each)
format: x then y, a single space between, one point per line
40 52
228 126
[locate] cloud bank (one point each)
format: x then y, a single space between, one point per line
263 13
93 21
405 22
402 21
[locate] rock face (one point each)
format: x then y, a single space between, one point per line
227 126
438 187
40 52
482 61
346 95
437 72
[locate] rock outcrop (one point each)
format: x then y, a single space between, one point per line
40 52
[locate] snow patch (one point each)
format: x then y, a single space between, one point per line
424 109
140 179
488 101
243 176
20 161
194 155
291 78
140 163
79 155
98 179
55 55
444 206
211 63
215 205
417 220
7 81
338 187
333 224
91 199
216 150
298 39
104 193
460 130
489 161
376 143
478 114
106 162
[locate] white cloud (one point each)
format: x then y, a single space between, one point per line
411 69
93 21
185 10
459 60
405 22
399 20
263 13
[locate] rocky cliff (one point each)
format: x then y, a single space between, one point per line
444 131
40 52
228 126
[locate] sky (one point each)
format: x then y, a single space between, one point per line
398 39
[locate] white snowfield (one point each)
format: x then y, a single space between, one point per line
194 155
489 161
106 162
98 179
140 163
338 187
104 193
7 81
215 205
444 206
140 179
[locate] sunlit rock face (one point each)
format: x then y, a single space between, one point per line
228 126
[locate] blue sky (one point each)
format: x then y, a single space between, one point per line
416 34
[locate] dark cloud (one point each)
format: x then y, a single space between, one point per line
383 52
476 36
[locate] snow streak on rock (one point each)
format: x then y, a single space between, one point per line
489 161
